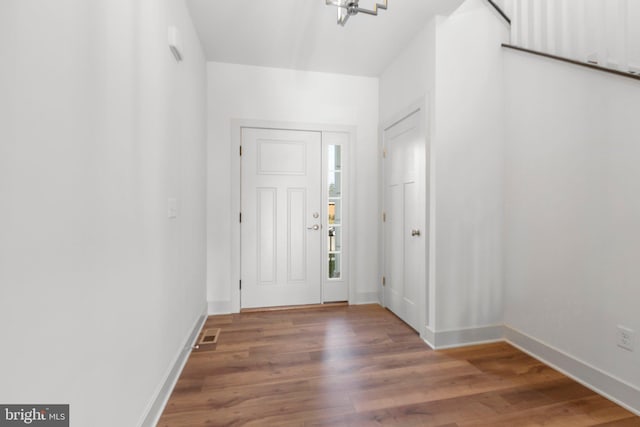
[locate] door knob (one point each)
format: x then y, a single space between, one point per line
315 227
415 233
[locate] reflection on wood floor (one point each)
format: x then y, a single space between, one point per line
362 366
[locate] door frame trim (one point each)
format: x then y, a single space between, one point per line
427 294
235 203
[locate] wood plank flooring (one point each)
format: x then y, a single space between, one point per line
362 366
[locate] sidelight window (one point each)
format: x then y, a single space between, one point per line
334 211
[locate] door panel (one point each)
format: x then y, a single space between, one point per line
266 199
405 226
414 254
297 235
281 191
395 242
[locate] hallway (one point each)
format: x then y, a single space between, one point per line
477 175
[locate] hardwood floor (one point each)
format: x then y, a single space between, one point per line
362 366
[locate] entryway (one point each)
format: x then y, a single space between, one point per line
293 211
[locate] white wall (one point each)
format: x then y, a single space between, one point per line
468 153
572 226
98 127
411 75
260 93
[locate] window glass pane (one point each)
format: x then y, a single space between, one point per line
334 158
334 266
335 211
335 183
335 238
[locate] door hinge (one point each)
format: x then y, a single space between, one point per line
241 150
384 217
384 281
240 284
240 217
384 153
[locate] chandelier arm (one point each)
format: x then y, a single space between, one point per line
368 12
374 12
336 4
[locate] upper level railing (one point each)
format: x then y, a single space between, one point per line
498 5
605 33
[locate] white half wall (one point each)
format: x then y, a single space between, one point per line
572 211
240 92
99 126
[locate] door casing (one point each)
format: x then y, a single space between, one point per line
427 296
235 206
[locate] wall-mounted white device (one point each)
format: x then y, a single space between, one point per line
174 43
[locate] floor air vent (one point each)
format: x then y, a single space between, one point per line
209 336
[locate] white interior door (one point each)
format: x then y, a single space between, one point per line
281 230
405 226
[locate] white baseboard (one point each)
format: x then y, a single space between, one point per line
429 337
441 340
219 307
603 383
366 298
156 407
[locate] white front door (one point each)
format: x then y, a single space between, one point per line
405 227
281 230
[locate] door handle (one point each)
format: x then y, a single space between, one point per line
315 227
415 233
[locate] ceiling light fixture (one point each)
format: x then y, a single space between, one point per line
347 8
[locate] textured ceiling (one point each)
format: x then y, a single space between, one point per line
303 34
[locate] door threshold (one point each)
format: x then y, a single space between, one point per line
295 307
